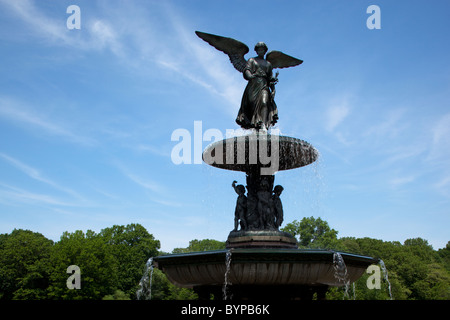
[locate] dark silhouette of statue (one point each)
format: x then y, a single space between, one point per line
261 209
258 109
277 207
264 209
241 207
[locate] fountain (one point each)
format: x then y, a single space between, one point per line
260 261
145 284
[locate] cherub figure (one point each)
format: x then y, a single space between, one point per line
241 207
277 207
258 109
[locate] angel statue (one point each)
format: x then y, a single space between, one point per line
258 109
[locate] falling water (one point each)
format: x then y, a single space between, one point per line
340 271
227 272
385 273
145 284
354 291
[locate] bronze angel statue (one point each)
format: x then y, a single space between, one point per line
258 109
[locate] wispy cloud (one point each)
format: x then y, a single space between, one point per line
145 183
141 43
138 179
440 140
36 21
158 193
399 181
443 185
168 203
14 194
391 124
336 114
100 33
37 175
21 113
154 150
195 60
105 36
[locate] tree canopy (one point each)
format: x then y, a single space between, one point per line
113 261
312 233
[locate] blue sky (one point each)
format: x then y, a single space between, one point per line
86 116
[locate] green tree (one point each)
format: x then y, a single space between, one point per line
161 286
89 251
312 233
118 295
163 289
131 247
24 265
444 255
201 245
434 286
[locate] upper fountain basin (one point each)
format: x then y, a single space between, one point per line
260 150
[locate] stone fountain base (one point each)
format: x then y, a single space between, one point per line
261 239
261 273
261 262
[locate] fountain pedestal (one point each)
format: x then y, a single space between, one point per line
261 261
260 155
261 239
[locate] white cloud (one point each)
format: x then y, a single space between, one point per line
441 131
335 115
104 35
399 181
146 183
50 29
14 194
440 141
23 114
142 43
54 31
138 179
443 185
36 175
202 63
392 124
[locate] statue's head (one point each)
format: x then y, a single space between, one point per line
278 189
261 45
240 189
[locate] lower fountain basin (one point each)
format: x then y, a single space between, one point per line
266 267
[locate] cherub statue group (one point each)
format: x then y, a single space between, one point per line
261 212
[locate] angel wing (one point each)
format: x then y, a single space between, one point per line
235 50
280 60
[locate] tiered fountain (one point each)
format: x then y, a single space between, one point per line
260 260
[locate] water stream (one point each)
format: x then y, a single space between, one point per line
354 291
227 282
340 272
385 274
145 284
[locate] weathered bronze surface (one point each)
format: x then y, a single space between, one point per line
260 270
260 260
260 156
258 108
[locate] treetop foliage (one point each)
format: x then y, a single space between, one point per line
113 261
